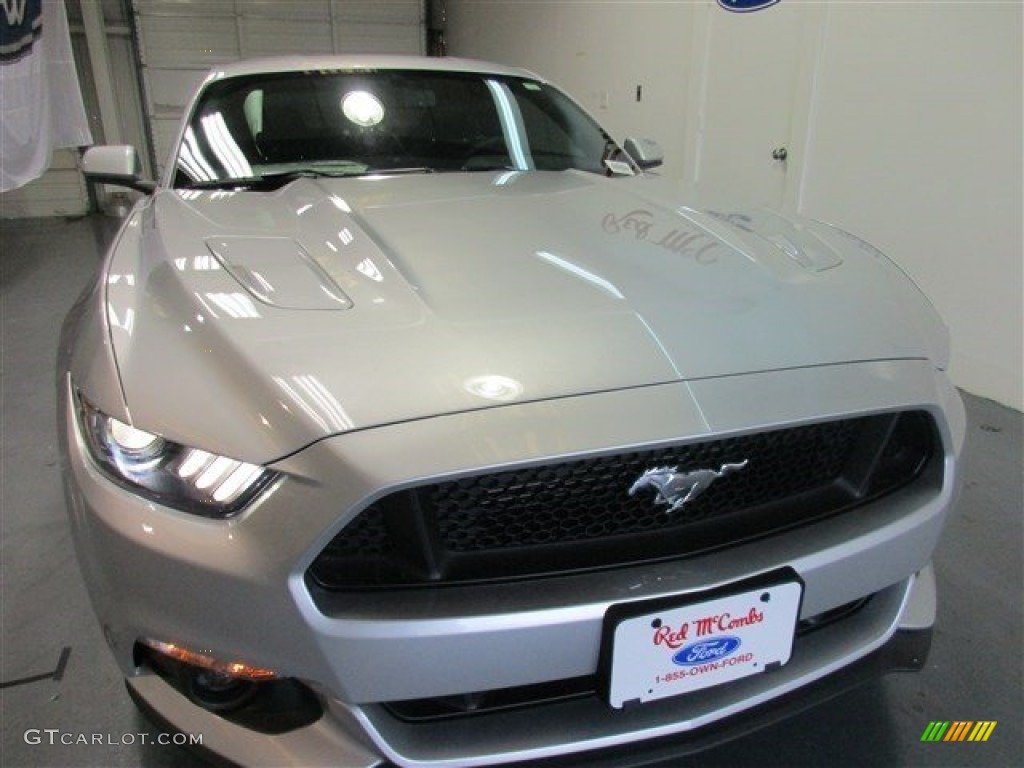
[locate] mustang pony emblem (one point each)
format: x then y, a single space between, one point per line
675 488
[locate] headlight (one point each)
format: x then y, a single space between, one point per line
169 473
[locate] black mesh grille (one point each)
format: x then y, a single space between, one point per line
572 515
364 536
590 499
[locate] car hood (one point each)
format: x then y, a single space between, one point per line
253 323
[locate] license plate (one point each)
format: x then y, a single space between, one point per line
669 647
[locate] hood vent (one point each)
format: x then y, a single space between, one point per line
279 272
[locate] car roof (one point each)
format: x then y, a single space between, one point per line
363 61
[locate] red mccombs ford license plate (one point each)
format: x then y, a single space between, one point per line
669 647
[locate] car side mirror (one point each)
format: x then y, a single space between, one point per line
646 153
116 164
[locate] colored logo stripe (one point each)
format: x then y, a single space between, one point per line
982 730
958 730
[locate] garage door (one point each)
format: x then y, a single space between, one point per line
180 40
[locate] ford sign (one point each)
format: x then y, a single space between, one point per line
745 6
704 651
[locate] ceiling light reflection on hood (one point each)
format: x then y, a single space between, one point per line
506 177
368 268
579 271
501 389
236 305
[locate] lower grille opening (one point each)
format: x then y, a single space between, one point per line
502 700
489 702
601 512
824 619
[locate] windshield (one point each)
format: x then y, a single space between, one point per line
277 126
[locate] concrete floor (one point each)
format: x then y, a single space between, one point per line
974 672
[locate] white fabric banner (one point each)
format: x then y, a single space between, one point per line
39 91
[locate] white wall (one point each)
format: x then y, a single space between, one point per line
916 146
906 128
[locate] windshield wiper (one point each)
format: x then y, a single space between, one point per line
271 181
396 171
490 167
267 180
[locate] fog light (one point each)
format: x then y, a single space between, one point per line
234 670
216 691
263 704
218 686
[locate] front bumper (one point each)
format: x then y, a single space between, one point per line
814 676
238 587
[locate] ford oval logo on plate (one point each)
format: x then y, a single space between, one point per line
745 6
704 651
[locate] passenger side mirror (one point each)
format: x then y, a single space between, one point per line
646 153
118 165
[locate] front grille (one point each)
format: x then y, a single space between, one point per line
569 516
589 499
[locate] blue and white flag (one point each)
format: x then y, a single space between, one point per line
20 28
745 6
40 97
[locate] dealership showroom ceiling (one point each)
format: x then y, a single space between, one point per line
542 383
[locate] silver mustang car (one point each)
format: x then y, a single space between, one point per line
412 421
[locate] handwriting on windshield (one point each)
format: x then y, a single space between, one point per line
641 224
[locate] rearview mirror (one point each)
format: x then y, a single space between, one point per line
116 164
645 152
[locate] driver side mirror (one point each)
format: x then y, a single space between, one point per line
118 165
646 153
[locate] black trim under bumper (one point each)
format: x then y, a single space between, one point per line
906 651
